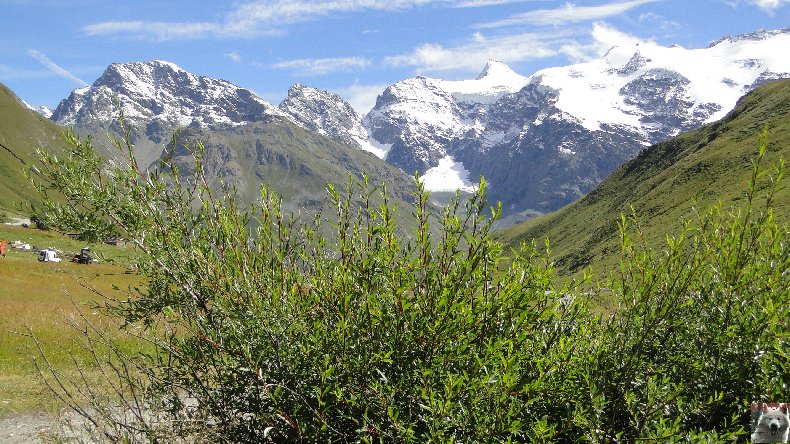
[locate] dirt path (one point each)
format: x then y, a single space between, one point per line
26 428
34 428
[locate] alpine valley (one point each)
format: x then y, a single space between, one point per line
540 141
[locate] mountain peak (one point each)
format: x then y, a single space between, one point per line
156 98
295 88
327 114
762 34
495 68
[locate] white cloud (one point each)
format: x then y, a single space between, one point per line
604 37
323 66
662 22
157 30
249 19
233 55
361 97
569 13
473 55
52 66
770 5
481 3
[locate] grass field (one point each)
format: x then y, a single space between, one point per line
42 297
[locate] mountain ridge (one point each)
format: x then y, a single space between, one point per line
541 141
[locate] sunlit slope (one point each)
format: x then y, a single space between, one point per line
664 182
22 130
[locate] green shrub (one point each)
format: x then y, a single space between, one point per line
337 329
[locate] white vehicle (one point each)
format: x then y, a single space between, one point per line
48 255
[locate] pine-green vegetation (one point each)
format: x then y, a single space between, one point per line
267 328
22 131
665 184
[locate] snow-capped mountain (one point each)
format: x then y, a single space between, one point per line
157 97
247 142
417 119
327 114
541 141
44 111
41 109
545 140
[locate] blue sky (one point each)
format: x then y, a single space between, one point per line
352 47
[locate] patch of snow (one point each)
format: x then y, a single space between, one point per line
491 139
448 176
496 80
719 74
566 151
372 145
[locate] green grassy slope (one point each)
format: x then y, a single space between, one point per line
21 132
708 165
43 296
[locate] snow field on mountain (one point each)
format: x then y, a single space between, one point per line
449 175
720 74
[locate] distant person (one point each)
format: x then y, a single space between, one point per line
3 247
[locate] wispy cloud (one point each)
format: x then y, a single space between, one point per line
482 3
770 5
233 55
569 13
248 19
473 55
361 97
154 30
55 68
663 23
323 66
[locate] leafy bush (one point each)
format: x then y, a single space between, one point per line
262 327
702 327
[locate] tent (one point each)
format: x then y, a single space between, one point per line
48 255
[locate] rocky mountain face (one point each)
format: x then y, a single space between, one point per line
156 98
418 119
247 142
543 141
540 141
325 113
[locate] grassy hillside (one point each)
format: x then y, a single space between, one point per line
43 297
663 183
21 132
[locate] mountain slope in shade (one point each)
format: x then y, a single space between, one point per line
294 162
711 164
22 131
